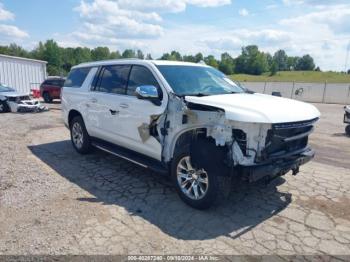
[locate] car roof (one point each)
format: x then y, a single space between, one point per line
138 61
55 78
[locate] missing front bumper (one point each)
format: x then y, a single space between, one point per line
279 167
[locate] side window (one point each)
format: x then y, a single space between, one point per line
76 77
140 76
113 79
56 83
48 82
60 83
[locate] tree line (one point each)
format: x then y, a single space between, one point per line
250 61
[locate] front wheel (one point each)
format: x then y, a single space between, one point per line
4 107
347 130
79 136
197 187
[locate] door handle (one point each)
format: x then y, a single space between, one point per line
113 112
124 105
93 100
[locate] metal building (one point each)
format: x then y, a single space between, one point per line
22 74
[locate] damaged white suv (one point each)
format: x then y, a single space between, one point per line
187 120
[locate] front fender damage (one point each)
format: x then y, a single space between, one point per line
242 141
182 117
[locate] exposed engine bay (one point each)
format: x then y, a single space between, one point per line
281 147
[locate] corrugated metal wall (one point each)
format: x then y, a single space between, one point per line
22 74
308 92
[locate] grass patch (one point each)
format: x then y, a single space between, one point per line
295 76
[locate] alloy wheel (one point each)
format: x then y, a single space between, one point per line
77 135
193 182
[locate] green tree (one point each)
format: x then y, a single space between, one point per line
211 61
199 57
281 60
292 62
176 56
129 53
227 64
173 56
306 63
149 57
51 53
68 58
115 55
16 50
165 56
140 55
273 69
100 53
82 55
251 61
189 58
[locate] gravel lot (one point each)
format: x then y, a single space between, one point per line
54 201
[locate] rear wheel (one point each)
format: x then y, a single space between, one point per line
4 107
47 97
79 136
347 130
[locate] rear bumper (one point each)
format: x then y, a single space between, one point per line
278 167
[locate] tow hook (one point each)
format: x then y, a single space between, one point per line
295 171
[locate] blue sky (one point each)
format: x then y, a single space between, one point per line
318 27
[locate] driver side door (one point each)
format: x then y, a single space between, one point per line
135 115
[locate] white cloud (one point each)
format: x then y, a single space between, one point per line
167 6
5 15
336 18
272 6
243 12
106 22
293 2
12 31
313 2
9 33
118 21
121 24
264 37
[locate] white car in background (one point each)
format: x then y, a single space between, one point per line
13 101
187 120
347 119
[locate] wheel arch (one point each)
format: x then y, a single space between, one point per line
73 113
185 137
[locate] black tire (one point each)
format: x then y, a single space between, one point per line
85 146
47 97
4 108
219 184
347 130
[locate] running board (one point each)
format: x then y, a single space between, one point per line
131 156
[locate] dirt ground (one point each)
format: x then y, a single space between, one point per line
55 201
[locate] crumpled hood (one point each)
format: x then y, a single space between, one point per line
12 94
259 108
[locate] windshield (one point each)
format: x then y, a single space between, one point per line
5 88
198 80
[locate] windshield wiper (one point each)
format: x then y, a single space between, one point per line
195 94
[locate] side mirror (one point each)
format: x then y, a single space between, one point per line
148 93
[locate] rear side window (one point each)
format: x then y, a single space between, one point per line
76 77
48 82
113 79
140 76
